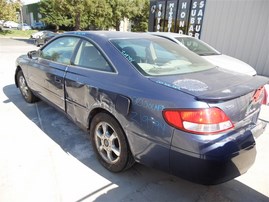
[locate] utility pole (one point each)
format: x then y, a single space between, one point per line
21 17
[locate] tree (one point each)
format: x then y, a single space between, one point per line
9 9
140 16
68 13
79 10
53 13
120 9
101 15
135 10
94 14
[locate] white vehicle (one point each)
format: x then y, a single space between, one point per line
209 53
24 27
39 34
10 24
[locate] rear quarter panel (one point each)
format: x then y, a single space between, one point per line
148 134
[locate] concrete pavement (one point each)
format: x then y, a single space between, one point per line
45 157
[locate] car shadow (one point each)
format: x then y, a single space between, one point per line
146 184
27 41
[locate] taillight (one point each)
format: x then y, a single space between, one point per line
198 121
259 95
265 95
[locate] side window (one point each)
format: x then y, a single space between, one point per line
88 56
60 50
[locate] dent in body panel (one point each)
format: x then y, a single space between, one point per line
148 133
80 98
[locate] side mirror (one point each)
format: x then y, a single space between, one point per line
32 54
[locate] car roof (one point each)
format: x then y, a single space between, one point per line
111 34
170 34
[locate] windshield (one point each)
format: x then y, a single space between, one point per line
197 46
158 57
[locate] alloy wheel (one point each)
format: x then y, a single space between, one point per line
107 142
23 86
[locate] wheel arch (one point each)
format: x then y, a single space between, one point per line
15 77
98 110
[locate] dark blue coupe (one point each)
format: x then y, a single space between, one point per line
145 99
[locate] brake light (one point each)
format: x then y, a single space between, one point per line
199 121
265 95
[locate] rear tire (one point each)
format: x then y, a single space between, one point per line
36 43
26 92
110 143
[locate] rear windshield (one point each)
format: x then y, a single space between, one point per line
159 57
197 46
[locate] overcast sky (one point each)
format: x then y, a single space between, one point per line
25 2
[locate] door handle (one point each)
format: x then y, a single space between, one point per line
57 79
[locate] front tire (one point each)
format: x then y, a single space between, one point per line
110 144
26 92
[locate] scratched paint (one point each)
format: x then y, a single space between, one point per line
168 85
186 84
191 85
147 104
127 56
226 91
148 122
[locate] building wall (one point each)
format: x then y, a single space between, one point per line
239 28
30 13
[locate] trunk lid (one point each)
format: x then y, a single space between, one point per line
214 85
238 95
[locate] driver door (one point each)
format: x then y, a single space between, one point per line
48 70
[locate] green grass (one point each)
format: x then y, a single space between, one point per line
17 33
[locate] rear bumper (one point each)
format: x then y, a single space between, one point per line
208 170
217 161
